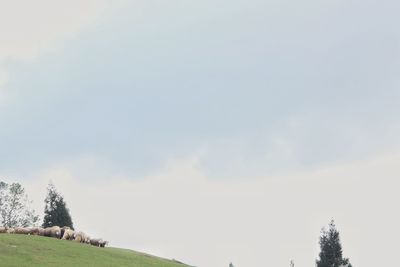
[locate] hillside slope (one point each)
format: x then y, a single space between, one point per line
23 250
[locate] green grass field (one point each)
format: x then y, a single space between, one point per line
23 250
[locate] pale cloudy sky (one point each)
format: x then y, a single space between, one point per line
216 131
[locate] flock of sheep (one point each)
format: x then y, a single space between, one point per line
64 233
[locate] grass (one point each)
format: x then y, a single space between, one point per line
23 250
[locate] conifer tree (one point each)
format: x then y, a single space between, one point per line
331 254
56 212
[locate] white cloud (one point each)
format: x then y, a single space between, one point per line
30 28
180 213
3 80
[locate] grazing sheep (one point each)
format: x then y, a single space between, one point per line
68 234
22 231
96 242
54 231
80 237
103 243
41 231
34 231
63 229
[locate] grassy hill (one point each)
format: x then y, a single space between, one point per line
23 250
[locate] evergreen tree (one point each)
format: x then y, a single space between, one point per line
331 249
56 212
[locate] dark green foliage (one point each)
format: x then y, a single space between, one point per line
331 249
56 212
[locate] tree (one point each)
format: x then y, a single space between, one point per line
56 212
331 249
15 207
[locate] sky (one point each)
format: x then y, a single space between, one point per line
208 131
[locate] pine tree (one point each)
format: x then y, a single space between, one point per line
331 254
56 212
